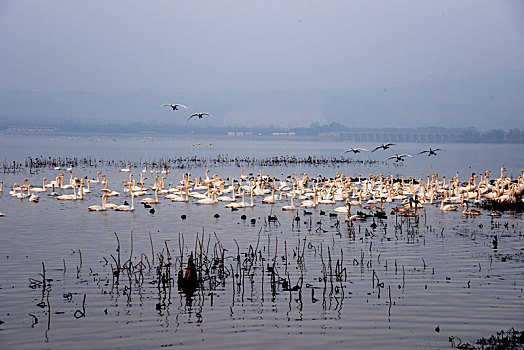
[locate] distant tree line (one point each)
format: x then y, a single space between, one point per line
514 135
335 131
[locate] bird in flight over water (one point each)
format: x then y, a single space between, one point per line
399 157
431 152
199 115
174 106
383 146
354 150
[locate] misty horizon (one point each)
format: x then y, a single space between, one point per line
287 64
488 102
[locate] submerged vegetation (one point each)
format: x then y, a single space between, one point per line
503 340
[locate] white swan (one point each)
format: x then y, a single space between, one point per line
32 197
98 207
174 106
127 207
182 198
208 200
289 207
68 197
447 207
39 189
431 152
199 115
106 193
383 146
150 200
226 198
310 203
270 199
399 157
354 150
345 209
97 181
238 204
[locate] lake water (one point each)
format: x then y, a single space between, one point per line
405 284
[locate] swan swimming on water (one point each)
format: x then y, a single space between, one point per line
127 207
289 207
99 207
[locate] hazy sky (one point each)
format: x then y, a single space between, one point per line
167 46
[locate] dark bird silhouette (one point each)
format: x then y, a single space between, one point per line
399 157
354 150
174 106
199 115
380 214
431 152
383 146
188 283
313 299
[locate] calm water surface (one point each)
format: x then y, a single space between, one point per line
442 271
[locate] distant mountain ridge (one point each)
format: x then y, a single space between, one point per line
488 102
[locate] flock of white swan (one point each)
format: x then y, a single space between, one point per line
397 157
296 191
175 106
